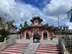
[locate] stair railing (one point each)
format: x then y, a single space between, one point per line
61 45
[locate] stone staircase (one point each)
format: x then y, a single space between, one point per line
48 49
17 48
28 47
32 48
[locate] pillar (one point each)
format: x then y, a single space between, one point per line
18 36
53 35
25 35
31 35
42 35
48 35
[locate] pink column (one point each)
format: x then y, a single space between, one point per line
18 36
53 34
31 34
25 35
41 35
48 35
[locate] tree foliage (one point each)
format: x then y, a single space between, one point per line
25 24
3 34
21 25
1 20
10 22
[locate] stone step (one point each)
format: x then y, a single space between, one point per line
31 48
17 48
48 49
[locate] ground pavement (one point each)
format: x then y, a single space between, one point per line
54 41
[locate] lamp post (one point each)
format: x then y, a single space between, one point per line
58 23
58 20
59 31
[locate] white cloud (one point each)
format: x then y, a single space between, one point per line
19 12
28 11
69 24
58 6
24 12
70 27
9 10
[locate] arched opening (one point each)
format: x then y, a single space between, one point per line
44 35
36 36
27 35
36 32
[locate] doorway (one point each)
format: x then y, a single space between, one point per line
44 35
27 35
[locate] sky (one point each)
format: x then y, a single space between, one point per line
48 10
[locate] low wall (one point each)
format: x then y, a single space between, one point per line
2 45
11 40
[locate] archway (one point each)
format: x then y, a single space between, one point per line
27 35
36 31
45 35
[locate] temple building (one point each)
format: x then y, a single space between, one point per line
36 27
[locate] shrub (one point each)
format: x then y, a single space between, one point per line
3 34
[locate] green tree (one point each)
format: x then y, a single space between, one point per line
52 26
10 22
3 34
21 25
2 20
46 25
25 24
